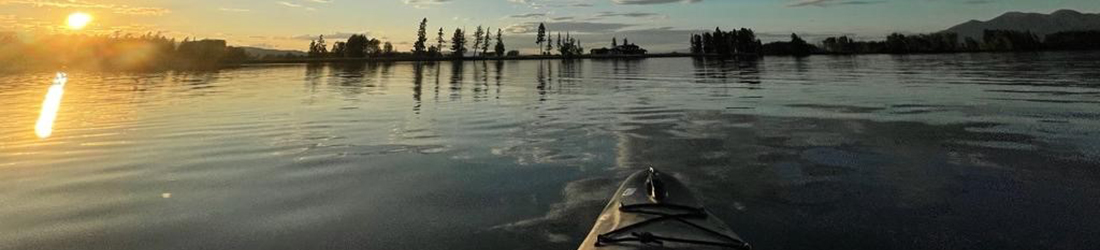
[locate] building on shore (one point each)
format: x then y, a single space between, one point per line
626 48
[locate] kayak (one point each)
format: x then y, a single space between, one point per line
653 210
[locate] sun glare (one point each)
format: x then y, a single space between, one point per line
44 127
78 20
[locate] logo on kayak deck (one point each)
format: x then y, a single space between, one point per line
629 191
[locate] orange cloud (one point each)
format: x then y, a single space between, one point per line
116 8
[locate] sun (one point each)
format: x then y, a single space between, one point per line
78 20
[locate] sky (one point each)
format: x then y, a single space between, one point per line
660 25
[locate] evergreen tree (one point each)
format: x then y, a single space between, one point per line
541 37
458 43
421 38
439 41
708 43
570 46
614 42
559 39
721 44
549 47
312 47
726 43
477 39
500 43
486 42
322 48
747 43
696 44
799 47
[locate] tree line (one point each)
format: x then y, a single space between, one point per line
356 46
946 42
150 51
568 47
743 42
483 42
726 43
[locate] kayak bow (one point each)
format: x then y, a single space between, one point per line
652 210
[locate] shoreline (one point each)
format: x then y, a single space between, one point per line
401 58
474 58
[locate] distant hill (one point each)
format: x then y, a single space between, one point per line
262 52
1040 24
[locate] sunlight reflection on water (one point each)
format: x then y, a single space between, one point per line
44 127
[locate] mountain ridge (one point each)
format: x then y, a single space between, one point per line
1038 23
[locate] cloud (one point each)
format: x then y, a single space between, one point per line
827 3
528 15
626 14
420 4
336 36
321 1
643 2
233 9
78 4
289 4
568 26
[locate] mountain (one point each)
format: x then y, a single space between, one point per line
1040 24
262 52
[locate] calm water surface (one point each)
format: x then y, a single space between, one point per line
980 151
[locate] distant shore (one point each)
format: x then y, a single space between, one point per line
407 58
473 58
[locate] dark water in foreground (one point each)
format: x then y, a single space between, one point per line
982 151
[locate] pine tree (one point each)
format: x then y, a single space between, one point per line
487 40
421 38
559 39
477 39
458 43
541 37
322 48
549 45
439 41
312 47
500 43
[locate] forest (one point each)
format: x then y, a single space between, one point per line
992 41
482 43
118 52
743 43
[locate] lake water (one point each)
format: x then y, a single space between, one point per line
968 151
